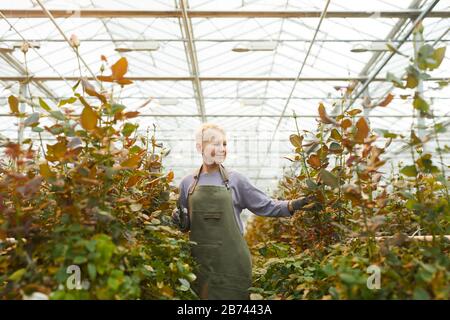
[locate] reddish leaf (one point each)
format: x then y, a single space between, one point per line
119 68
170 176
45 171
354 112
89 118
362 129
90 90
12 150
124 81
131 114
13 104
57 151
296 140
314 161
386 100
132 181
346 123
105 78
323 115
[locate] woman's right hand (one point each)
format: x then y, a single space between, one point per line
176 216
181 219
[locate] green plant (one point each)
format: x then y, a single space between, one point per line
368 217
96 199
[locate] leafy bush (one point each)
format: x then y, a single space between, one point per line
86 217
367 216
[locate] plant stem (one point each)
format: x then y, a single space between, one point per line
301 149
439 150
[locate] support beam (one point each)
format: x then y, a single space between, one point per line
250 115
101 13
221 40
212 78
188 33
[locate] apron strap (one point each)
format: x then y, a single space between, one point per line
224 174
194 184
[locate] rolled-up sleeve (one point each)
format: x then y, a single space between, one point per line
258 202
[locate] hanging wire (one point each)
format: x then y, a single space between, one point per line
322 16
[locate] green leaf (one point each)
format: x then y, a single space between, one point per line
135 150
439 128
385 133
79 259
117 108
90 245
92 271
44 105
13 104
70 100
328 178
396 81
335 147
17 275
420 294
185 285
411 204
191 276
412 77
58 115
420 104
128 129
76 85
311 184
409 171
329 270
348 278
335 135
425 57
32 120
438 56
37 129
113 283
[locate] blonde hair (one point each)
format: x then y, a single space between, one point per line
203 128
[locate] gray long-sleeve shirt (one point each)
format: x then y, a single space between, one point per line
245 195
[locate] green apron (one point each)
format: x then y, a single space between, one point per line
225 267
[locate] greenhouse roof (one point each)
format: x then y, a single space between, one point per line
245 65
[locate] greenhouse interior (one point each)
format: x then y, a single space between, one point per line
223 150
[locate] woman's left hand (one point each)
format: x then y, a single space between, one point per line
308 203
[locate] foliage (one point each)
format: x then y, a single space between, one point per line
367 214
95 198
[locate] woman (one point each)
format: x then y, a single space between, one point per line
209 206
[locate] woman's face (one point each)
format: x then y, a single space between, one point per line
214 148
